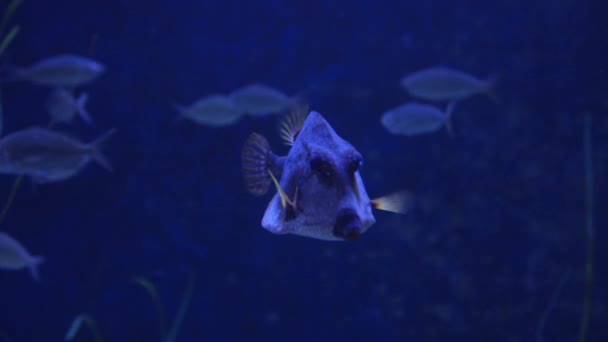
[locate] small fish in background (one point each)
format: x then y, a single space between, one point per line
13 256
260 100
57 175
48 156
414 118
213 110
445 84
320 192
61 70
63 106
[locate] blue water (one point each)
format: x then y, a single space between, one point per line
499 214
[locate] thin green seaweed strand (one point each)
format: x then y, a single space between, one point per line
6 41
14 188
183 308
590 231
551 305
153 293
10 9
77 323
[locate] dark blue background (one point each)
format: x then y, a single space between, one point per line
500 212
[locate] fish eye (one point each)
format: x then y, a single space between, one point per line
324 170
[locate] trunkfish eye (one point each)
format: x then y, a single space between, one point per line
324 170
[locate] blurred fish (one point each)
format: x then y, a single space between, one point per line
13 256
259 100
415 118
320 193
58 174
63 106
61 70
48 156
445 84
213 110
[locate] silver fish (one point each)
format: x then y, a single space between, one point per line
48 156
445 84
213 110
63 106
61 70
13 256
259 100
416 118
321 193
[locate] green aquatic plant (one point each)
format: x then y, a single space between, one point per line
8 13
589 229
10 198
151 289
11 195
551 305
77 323
181 312
153 293
6 41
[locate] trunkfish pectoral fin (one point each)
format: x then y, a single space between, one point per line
256 159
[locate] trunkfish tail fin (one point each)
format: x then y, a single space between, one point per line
398 202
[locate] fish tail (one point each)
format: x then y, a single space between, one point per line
95 149
399 202
178 107
490 87
81 104
256 159
35 261
181 112
9 74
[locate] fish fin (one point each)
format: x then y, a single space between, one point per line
449 111
181 113
256 159
9 74
95 149
397 202
290 209
81 103
292 123
286 203
179 108
34 262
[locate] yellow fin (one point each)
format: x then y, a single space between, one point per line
292 123
397 202
284 198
